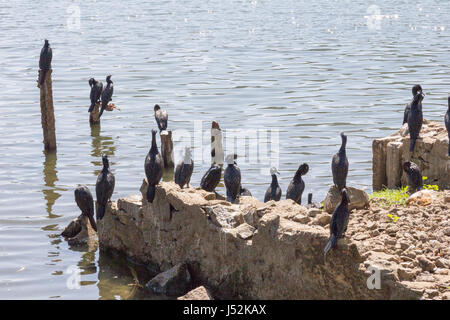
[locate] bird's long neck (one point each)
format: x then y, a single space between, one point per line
105 168
274 181
298 175
154 148
449 104
343 145
344 201
310 198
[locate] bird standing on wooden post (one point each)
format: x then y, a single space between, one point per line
107 94
45 61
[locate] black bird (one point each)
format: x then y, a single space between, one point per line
274 190
232 179
245 192
154 166
183 171
211 178
104 188
45 60
447 124
339 165
415 181
297 185
107 94
96 92
85 202
415 119
338 223
310 203
415 89
161 118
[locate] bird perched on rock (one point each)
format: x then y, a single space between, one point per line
45 60
107 94
447 124
161 118
415 181
415 89
415 119
154 166
85 202
339 165
104 187
338 223
244 192
184 169
310 203
96 92
297 185
274 190
211 178
232 179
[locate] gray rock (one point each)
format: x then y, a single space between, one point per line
173 282
358 199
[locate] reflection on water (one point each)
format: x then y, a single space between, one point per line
50 178
101 144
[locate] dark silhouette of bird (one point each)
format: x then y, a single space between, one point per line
45 60
415 119
161 118
85 202
339 165
244 192
274 190
96 92
415 89
184 169
297 185
232 179
415 181
211 178
447 124
104 188
107 94
338 223
310 203
154 166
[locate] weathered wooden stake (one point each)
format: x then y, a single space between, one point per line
47 111
93 116
216 144
167 148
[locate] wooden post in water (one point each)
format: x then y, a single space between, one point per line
47 111
216 144
93 115
167 148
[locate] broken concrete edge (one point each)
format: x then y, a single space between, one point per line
176 229
199 293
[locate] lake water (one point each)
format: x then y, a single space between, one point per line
305 69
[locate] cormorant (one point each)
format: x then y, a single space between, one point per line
104 187
211 178
96 92
339 165
183 171
415 119
310 203
244 192
154 166
232 179
45 60
161 117
447 124
415 89
415 181
107 94
85 202
338 223
297 185
274 190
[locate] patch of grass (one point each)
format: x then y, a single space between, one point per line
429 186
391 196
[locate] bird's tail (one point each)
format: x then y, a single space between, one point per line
92 221
100 212
411 145
91 107
43 74
151 193
330 245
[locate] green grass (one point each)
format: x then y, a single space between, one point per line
391 196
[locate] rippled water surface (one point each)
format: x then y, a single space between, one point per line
309 69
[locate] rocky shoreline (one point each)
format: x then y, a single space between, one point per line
274 250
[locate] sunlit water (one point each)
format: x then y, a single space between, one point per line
309 69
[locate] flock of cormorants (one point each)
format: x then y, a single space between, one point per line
154 164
